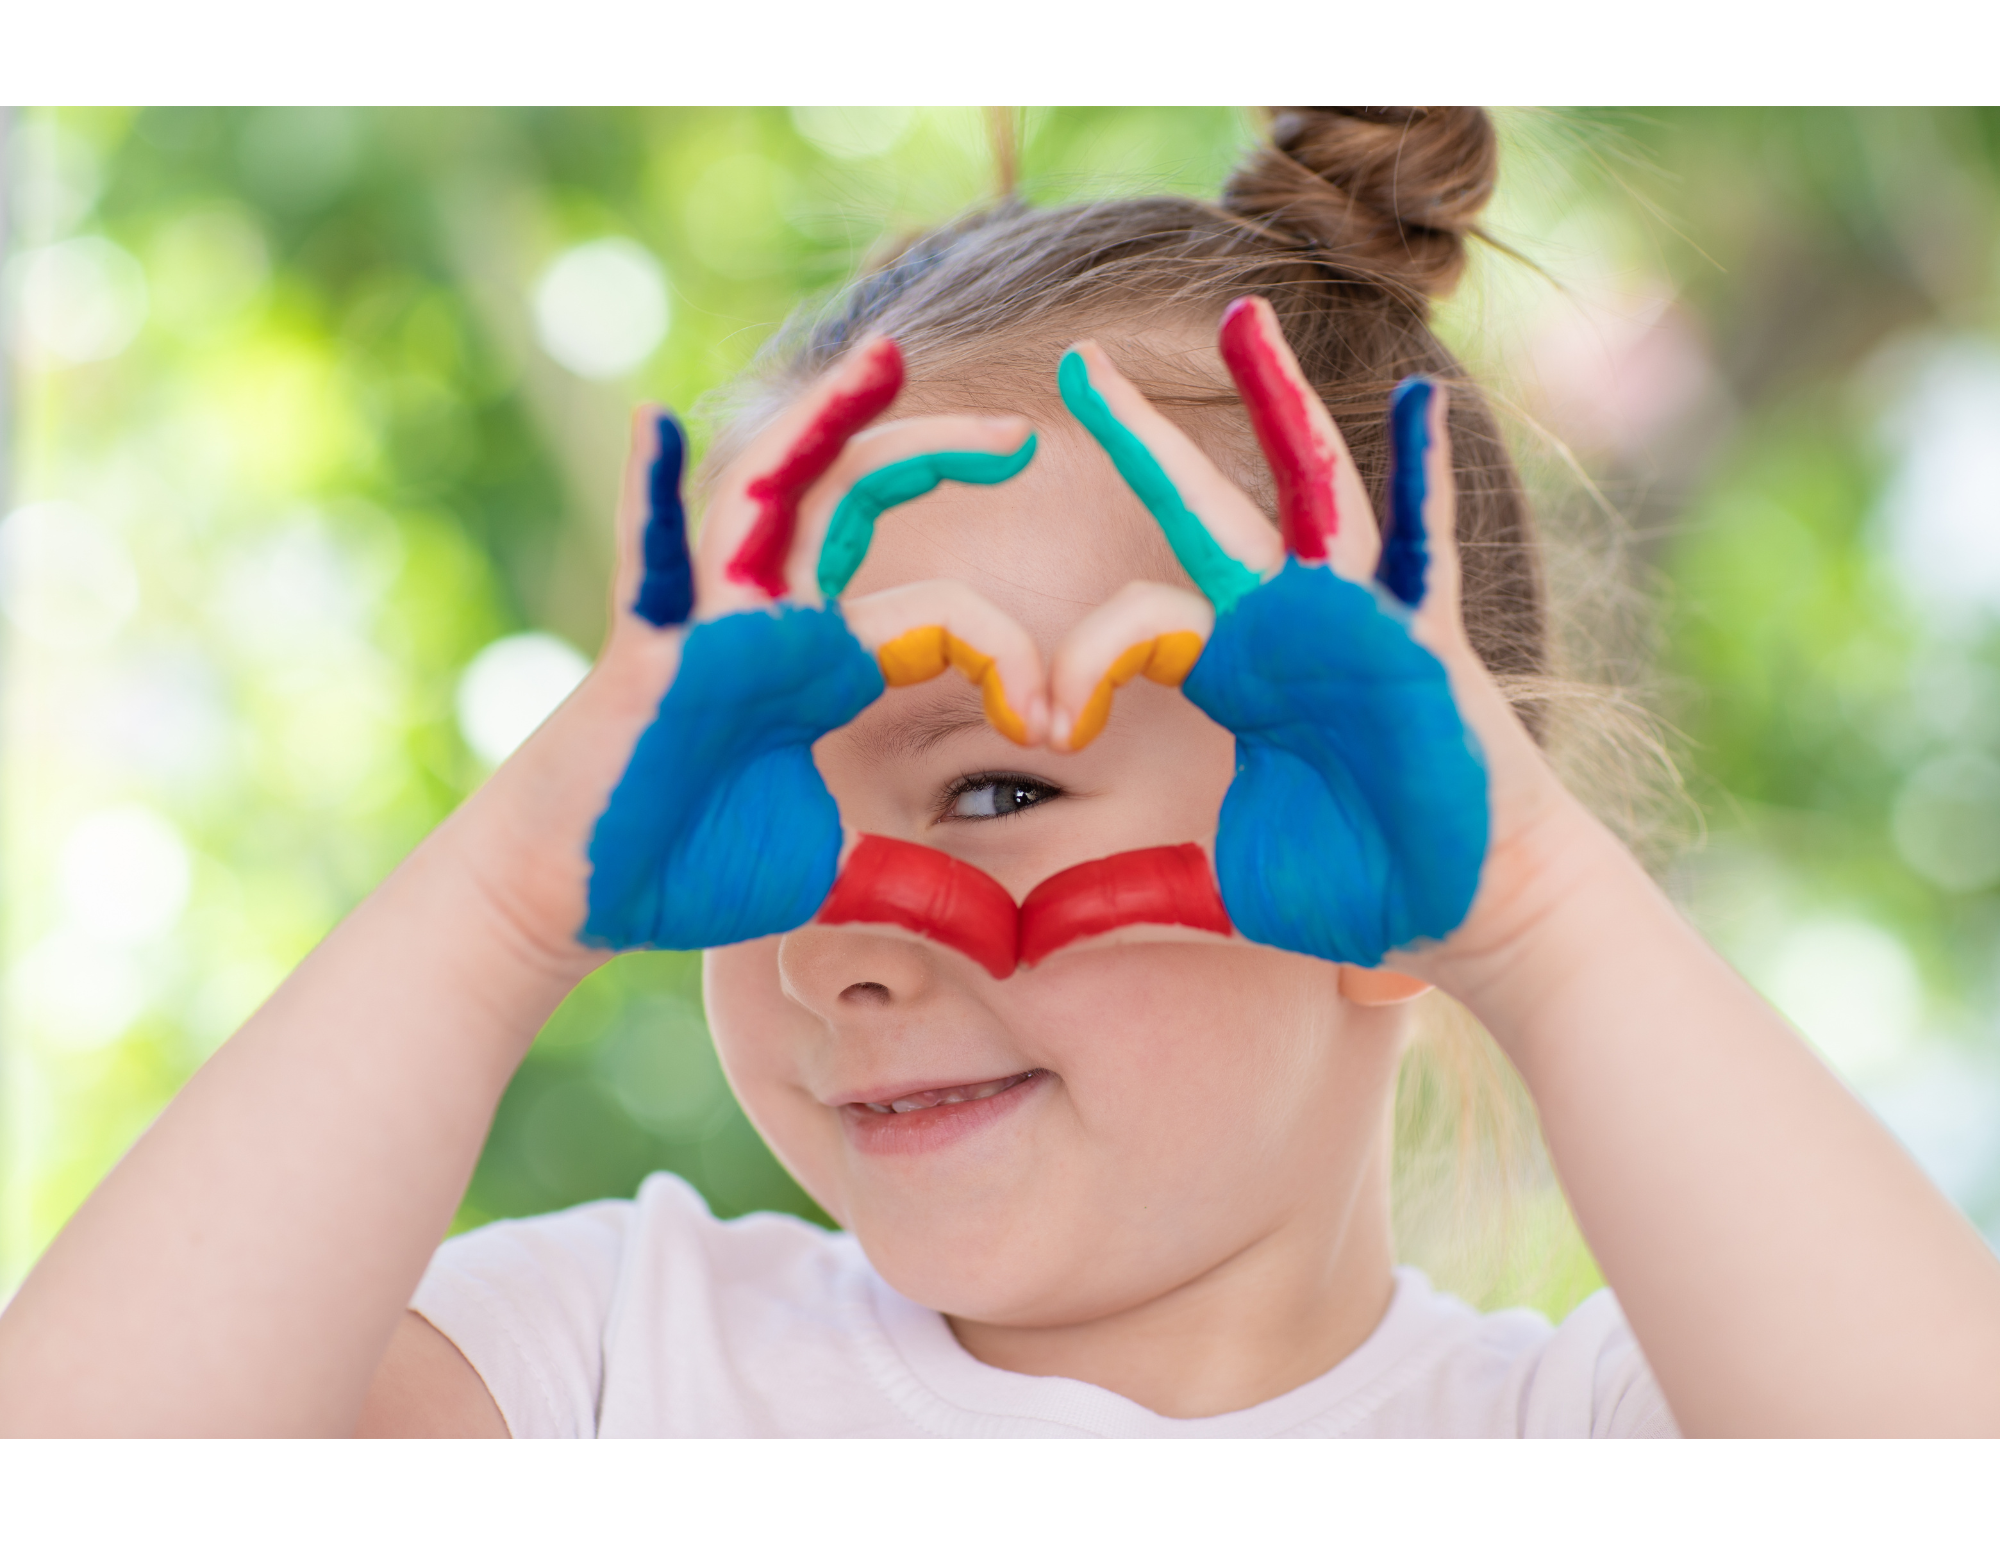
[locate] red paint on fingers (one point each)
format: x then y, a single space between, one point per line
930 893
760 561
963 907
1301 462
1147 885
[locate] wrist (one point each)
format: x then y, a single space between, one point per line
509 904
1553 899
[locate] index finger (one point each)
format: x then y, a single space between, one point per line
1222 539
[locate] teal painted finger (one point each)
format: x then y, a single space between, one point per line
1220 577
853 524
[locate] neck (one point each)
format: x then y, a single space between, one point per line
1276 1315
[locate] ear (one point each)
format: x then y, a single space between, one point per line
1378 989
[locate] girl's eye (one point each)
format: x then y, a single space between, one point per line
984 796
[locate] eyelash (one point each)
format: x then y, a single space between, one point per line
972 783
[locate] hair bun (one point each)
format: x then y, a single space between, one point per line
1391 193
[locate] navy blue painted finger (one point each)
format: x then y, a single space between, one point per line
1406 552
666 591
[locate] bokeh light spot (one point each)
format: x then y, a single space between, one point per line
853 133
125 874
1946 821
66 579
511 686
1854 991
601 308
74 302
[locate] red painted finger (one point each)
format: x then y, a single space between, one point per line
929 893
760 560
1290 423
1147 885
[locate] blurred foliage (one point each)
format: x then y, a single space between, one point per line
330 463
293 446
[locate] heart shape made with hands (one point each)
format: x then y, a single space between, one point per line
1356 823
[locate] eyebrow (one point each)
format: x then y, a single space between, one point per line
921 728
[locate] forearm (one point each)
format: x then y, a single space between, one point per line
1785 1264
243 1268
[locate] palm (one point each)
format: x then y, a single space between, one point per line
1357 821
719 827
1357 818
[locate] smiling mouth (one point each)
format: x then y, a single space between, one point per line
930 1099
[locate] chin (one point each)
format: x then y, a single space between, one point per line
1008 1277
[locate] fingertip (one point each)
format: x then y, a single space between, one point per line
644 427
1074 383
1090 358
1025 446
1037 717
884 354
1248 314
669 438
1412 398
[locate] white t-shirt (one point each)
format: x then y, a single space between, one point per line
649 1318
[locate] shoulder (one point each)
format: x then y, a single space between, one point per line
534 1303
1450 1370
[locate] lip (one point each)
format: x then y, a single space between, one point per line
877 1131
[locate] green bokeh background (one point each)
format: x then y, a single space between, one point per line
334 460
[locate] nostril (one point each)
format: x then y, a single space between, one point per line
864 992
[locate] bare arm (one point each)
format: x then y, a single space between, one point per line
243 1268
1785 1264
246 1268
426 1389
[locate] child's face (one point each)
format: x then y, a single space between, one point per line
1137 1110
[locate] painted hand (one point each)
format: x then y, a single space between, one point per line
720 828
1357 821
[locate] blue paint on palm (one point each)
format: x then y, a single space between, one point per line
1357 820
722 829
666 587
1406 555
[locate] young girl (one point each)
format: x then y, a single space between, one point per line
1073 774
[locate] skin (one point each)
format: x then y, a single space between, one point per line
1187 1202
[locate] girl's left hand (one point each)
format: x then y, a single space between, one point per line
1383 783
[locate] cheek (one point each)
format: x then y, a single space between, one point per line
1159 1042
759 1035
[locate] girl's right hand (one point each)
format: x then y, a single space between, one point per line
672 801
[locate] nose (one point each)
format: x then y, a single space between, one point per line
835 973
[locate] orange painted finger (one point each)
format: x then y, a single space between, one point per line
920 631
1147 629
